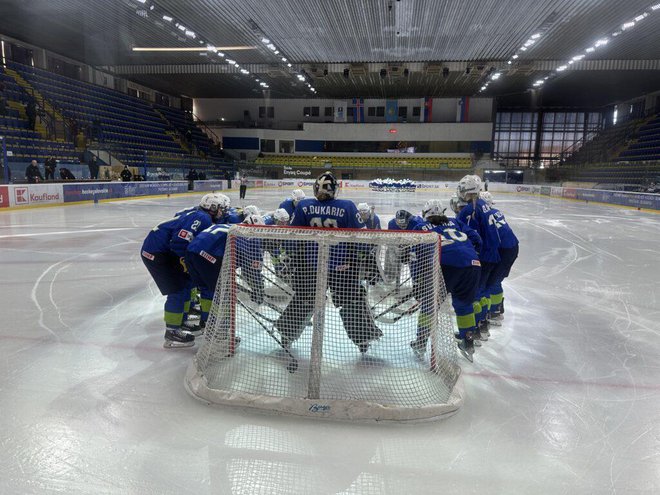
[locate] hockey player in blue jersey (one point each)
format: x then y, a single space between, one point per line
461 272
326 211
394 256
369 217
476 215
368 259
290 204
508 254
404 220
163 253
279 217
249 258
204 261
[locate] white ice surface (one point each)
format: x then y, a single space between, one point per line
564 398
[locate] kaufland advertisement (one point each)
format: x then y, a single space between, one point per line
36 194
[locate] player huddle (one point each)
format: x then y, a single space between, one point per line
184 255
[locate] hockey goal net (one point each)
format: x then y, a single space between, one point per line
343 324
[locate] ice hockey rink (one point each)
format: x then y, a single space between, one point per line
564 397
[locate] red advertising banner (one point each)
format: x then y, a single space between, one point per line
4 197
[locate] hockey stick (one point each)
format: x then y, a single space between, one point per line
292 366
272 306
390 293
396 305
413 309
276 284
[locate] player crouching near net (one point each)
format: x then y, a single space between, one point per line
348 294
461 271
163 253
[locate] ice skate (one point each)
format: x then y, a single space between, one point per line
466 346
495 319
194 328
484 331
175 337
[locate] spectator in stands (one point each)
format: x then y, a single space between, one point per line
192 177
49 166
126 174
65 174
31 112
244 184
93 168
96 129
202 175
32 173
189 137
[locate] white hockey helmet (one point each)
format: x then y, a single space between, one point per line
297 195
364 210
214 203
456 204
281 216
254 220
250 210
433 208
470 184
487 197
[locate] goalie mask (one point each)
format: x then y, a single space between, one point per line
297 195
326 187
433 208
467 186
281 216
402 218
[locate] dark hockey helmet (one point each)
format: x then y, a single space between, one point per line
402 217
326 187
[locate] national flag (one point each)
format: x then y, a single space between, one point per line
391 110
426 115
463 109
340 111
358 111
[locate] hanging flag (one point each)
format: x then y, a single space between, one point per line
391 110
340 111
463 109
358 111
426 115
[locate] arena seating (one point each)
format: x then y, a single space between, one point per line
646 144
23 143
398 161
128 127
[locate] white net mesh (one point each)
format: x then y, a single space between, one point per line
348 324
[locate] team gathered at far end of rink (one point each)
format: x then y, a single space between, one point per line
184 257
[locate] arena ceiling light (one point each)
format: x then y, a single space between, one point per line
625 27
190 49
